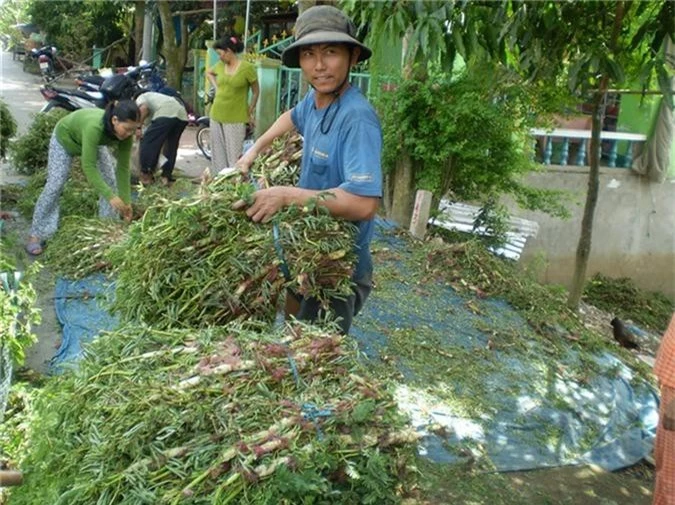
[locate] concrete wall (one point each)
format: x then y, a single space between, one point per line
633 229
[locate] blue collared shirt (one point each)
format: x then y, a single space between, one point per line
346 156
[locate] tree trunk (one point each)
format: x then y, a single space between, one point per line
401 181
175 55
403 197
584 245
139 18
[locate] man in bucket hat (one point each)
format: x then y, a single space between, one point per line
341 150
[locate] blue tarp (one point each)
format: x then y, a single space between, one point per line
539 415
80 308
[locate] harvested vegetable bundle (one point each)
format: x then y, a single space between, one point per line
279 163
81 245
196 262
225 415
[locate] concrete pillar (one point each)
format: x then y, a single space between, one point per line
420 214
268 75
148 27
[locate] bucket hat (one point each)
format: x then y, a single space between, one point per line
322 24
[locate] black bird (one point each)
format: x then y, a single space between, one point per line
622 335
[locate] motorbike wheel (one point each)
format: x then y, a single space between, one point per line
204 140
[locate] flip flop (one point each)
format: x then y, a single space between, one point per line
146 179
34 248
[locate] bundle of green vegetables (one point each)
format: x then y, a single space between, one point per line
224 415
81 245
197 262
18 312
278 164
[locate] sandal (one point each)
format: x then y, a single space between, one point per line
34 248
146 179
167 181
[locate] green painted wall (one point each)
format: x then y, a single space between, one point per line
638 114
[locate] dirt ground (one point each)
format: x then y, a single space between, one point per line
587 485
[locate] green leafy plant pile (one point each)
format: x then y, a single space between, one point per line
81 245
624 299
469 267
197 262
14 435
226 415
78 197
7 127
467 135
29 152
18 312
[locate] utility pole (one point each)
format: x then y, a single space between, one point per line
148 33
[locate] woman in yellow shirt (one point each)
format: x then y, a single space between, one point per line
231 111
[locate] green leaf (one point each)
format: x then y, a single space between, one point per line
613 69
363 411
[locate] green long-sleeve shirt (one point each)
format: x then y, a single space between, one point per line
81 133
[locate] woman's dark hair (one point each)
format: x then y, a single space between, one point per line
230 42
125 110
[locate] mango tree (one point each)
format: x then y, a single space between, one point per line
75 26
590 46
594 46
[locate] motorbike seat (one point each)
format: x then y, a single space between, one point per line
93 79
77 92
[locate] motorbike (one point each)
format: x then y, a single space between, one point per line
146 76
90 82
115 87
45 57
70 99
203 135
89 93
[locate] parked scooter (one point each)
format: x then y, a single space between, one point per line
89 82
145 76
89 93
70 99
45 57
115 87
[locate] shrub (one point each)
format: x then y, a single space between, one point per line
467 136
29 152
7 127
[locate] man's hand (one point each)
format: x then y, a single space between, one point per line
669 416
124 209
267 202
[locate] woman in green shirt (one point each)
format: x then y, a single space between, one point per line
233 78
86 133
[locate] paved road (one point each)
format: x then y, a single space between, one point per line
20 90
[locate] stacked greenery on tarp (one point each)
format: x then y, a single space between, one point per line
17 315
197 262
225 415
196 399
